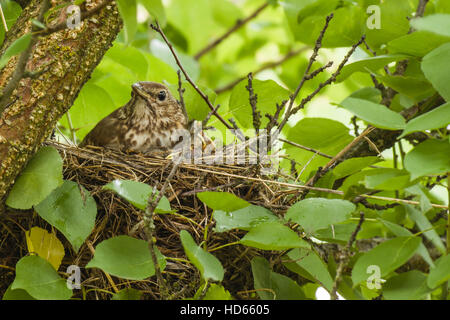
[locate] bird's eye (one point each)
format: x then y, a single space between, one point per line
161 95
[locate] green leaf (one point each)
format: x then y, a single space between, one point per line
308 264
271 285
70 211
18 294
344 29
223 201
18 46
441 273
83 115
403 232
393 22
128 12
423 224
417 44
410 285
387 179
437 23
37 276
39 178
209 266
325 135
156 9
434 119
138 193
196 107
12 11
243 219
126 257
273 236
268 92
353 165
216 292
339 233
317 213
130 57
368 93
388 256
369 65
376 114
127 294
429 157
436 68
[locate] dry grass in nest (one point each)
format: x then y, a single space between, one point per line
93 168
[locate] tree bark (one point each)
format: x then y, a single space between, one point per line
68 58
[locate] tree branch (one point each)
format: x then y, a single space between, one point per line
237 26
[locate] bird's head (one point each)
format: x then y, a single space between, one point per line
158 98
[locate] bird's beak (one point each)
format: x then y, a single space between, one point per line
137 88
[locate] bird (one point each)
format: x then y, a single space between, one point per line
151 121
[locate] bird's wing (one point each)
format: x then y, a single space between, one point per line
107 133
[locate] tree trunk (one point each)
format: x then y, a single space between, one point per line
68 58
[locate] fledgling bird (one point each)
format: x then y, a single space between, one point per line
148 122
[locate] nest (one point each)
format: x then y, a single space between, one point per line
95 167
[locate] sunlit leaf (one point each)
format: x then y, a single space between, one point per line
437 23
128 12
440 273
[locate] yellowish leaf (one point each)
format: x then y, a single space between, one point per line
46 245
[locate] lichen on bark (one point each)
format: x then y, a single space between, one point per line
68 58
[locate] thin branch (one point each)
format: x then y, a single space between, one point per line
209 115
266 66
181 91
346 256
237 26
158 29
